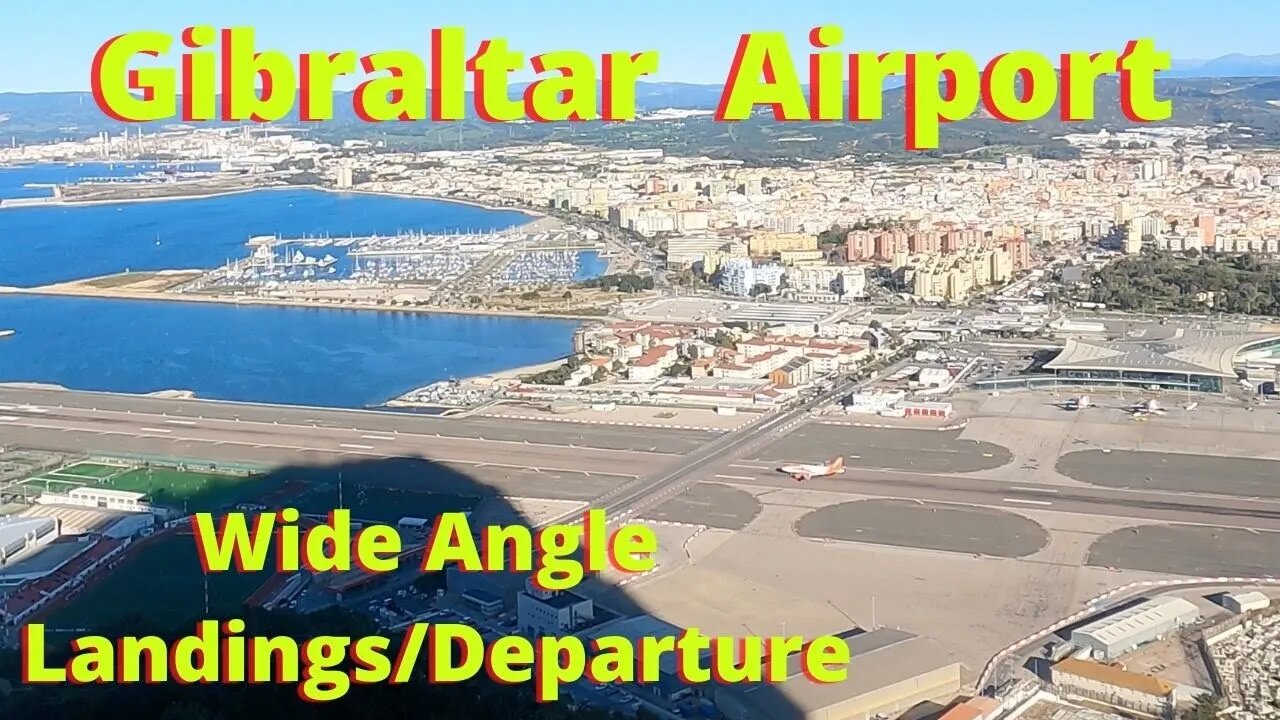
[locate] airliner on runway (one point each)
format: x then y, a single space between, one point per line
804 472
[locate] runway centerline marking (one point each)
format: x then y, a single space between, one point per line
301 448
378 437
180 422
734 477
1032 489
1026 502
353 446
150 430
320 424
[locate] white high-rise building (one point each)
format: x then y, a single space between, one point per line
738 276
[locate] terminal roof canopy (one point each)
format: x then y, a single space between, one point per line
1196 352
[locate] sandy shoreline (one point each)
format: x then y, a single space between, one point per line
70 290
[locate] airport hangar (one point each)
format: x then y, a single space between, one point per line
1200 360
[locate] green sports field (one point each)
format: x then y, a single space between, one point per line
183 489
177 488
161 581
191 491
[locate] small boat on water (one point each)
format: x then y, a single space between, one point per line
7 333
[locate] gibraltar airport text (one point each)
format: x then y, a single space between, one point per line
558 557
221 75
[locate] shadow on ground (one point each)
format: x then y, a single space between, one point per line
160 588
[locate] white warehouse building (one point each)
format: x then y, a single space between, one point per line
1245 602
17 534
1116 634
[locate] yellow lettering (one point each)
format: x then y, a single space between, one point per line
927 107
400 95
233 541
113 81
620 71
826 659
762 54
34 670
94 660
1138 67
870 71
315 86
571 96
451 541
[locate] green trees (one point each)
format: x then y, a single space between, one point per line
1183 283
625 282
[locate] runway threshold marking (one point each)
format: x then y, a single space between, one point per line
1037 490
749 467
734 477
8 418
353 446
1027 502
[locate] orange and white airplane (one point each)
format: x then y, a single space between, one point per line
804 472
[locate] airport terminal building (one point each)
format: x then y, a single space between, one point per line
1199 360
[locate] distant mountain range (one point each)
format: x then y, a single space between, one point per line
1228 66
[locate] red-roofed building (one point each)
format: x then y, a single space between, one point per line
30 597
652 363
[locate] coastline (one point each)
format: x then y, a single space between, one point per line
528 222
86 292
533 215
65 203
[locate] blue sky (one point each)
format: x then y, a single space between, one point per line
50 47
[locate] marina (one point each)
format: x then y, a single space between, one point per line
289 353
61 243
509 258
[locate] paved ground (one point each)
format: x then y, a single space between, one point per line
710 504
647 416
608 437
918 450
1177 472
498 460
1189 550
758 580
932 526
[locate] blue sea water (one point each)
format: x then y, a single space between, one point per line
44 245
299 356
326 357
590 265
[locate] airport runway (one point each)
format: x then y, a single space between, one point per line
568 435
1142 505
560 470
899 449
629 477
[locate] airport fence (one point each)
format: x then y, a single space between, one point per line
177 463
